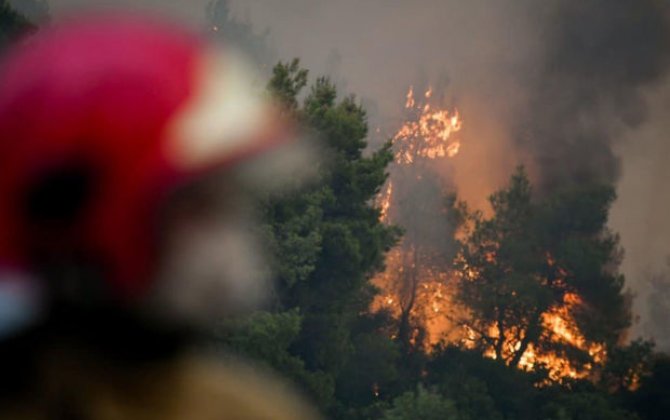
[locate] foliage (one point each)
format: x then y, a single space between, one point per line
627 365
535 256
372 371
652 399
328 241
266 337
286 83
422 404
585 406
481 388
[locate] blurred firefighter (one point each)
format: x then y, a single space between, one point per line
127 147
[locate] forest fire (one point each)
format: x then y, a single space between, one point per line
416 285
419 286
504 266
560 329
427 133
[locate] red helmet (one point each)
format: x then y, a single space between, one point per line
100 119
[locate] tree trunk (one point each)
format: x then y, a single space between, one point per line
531 331
501 337
405 324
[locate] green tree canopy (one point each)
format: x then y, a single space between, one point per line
533 256
328 242
422 404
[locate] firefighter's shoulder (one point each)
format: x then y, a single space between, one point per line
203 388
182 388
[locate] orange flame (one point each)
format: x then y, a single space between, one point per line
562 328
385 201
428 134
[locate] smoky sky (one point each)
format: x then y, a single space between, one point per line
576 90
597 55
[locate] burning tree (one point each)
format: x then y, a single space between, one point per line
535 286
415 282
539 279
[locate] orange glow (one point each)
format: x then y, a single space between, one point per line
427 294
560 327
434 307
427 135
385 201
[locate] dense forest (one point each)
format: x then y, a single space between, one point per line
535 255
357 363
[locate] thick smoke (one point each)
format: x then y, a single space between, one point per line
596 57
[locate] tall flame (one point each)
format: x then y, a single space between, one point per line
427 134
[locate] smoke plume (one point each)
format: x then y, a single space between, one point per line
597 55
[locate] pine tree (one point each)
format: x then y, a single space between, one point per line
533 257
